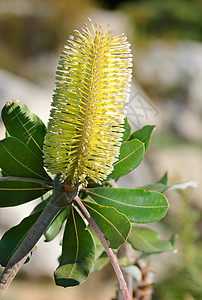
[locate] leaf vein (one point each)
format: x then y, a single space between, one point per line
77 243
106 221
30 135
22 163
126 204
146 242
131 153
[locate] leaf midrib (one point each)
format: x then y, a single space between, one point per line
77 243
126 204
119 233
26 130
131 153
22 163
146 242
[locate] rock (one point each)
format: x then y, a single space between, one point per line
169 65
174 71
183 163
17 88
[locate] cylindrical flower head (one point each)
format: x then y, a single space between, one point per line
85 128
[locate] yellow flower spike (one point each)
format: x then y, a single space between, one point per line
85 128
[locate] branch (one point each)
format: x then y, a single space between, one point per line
9 273
77 201
58 201
13 178
124 252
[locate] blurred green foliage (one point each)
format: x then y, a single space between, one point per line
30 28
180 19
183 279
33 26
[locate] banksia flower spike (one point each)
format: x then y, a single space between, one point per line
85 128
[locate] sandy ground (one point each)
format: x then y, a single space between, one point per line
99 286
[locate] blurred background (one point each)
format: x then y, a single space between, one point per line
166 41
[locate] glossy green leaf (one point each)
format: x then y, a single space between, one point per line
131 155
138 205
127 131
144 135
114 225
14 236
17 192
56 225
148 241
23 124
17 160
78 253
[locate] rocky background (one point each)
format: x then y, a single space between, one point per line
166 39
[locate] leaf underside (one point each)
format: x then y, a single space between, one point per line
56 225
148 241
78 252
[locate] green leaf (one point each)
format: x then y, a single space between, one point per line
148 241
23 124
138 205
7 134
164 179
17 192
78 253
100 262
158 187
14 236
127 131
172 239
162 185
17 160
114 225
131 155
56 225
41 205
99 249
144 135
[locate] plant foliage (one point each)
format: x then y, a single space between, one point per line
113 209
